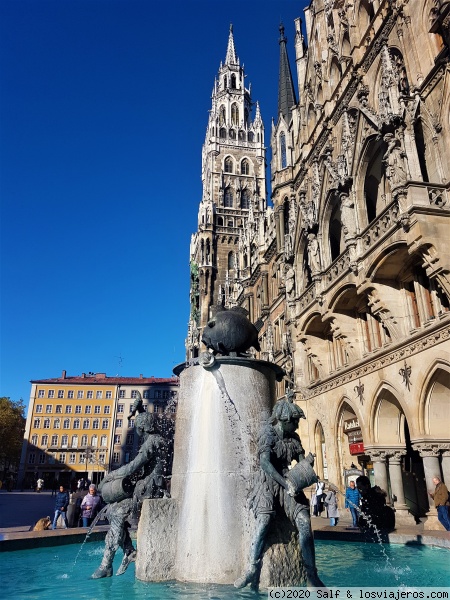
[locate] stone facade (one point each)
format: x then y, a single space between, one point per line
350 272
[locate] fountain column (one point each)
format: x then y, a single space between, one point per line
378 457
402 515
204 531
430 458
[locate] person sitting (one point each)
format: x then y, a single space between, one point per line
376 516
90 505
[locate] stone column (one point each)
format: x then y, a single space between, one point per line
380 471
446 466
430 458
402 515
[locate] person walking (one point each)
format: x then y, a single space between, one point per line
39 485
441 502
90 505
352 500
319 498
61 504
332 507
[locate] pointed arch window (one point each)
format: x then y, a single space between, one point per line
224 82
245 167
245 199
234 114
228 165
231 261
233 81
283 150
228 198
251 136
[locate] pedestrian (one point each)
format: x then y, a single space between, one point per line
61 504
90 505
352 500
319 495
39 485
332 507
441 502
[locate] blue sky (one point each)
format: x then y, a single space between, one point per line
103 113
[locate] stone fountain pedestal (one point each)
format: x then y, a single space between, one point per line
203 533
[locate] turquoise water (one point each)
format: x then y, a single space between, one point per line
48 573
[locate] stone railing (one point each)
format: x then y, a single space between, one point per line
386 221
305 300
338 267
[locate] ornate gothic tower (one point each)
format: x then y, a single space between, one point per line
234 194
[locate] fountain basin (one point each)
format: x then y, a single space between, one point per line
47 573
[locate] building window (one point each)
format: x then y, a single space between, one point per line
47 423
94 441
146 394
66 424
31 458
107 410
90 395
158 394
51 393
117 438
58 409
122 394
130 439
127 457
228 165
56 424
84 440
54 440
120 408
76 424
42 458
105 424
48 408
82 458
119 423
70 394
245 167
72 458
130 423
103 441
34 439
60 393
97 409
39 408
85 423
44 440
96 424
134 393
78 409
101 458
116 457
41 394
64 441
62 458
234 113
88 409
80 394
228 198
68 409
74 441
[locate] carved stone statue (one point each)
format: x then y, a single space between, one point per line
123 495
394 160
289 280
313 253
277 486
348 215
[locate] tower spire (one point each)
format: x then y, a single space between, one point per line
231 58
286 92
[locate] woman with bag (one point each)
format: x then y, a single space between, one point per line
332 507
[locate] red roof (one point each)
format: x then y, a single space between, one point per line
105 380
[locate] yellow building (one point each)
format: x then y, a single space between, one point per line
77 426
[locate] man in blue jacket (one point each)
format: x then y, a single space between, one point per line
61 504
352 499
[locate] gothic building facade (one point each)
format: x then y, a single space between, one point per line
349 269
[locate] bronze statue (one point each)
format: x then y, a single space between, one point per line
278 488
124 488
230 332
